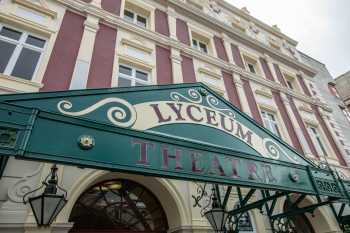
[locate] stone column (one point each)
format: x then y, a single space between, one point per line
324 115
172 22
269 62
227 46
82 65
96 3
241 94
176 65
296 126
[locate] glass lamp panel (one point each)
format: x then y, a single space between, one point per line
51 204
36 204
60 206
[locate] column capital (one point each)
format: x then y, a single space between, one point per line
92 23
237 80
176 55
96 3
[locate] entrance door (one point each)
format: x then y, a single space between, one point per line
118 206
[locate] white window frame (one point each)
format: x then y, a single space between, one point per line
20 44
135 21
133 78
197 47
317 139
271 124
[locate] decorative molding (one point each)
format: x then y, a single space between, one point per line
216 89
115 21
209 72
26 24
20 81
264 92
306 108
36 7
268 108
242 36
135 61
136 45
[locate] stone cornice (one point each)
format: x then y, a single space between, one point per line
117 22
243 38
257 22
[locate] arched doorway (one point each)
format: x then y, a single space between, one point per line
300 222
118 205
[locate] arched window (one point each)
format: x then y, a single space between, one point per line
118 206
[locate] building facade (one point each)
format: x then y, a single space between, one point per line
57 45
342 85
326 91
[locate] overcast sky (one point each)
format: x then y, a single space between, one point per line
322 27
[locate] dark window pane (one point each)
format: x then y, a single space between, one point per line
10 33
194 43
203 47
35 41
125 70
142 75
122 82
128 15
6 50
141 21
26 64
139 84
251 68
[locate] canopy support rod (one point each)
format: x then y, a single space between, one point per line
256 204
227 195
310 209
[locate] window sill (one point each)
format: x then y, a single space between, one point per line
18 84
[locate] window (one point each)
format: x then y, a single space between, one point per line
20 52
199 45
251 65
251 68
135 18
290 81
317 140
270 122
129 76
290 85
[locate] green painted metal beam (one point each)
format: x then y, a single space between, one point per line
256 204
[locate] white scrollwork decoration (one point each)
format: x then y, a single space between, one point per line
275 151
116 115
194 96
24 185
213 102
